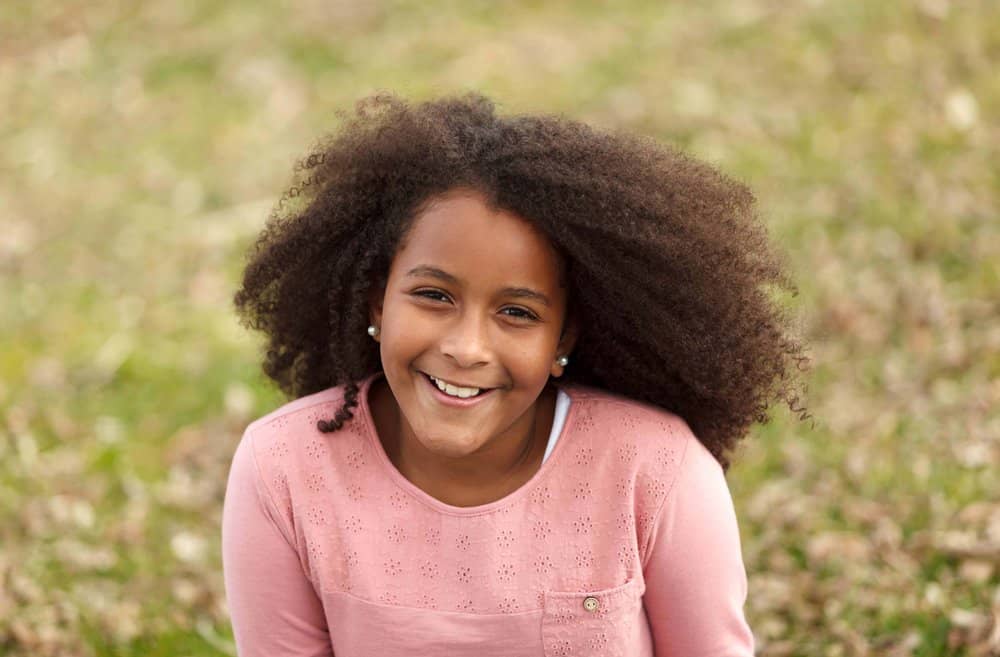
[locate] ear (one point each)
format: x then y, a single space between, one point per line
566 344
376 296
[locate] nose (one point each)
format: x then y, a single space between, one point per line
466 340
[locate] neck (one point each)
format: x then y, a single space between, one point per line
498 468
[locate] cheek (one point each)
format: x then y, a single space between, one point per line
533 357
403 327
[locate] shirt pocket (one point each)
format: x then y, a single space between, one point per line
593 623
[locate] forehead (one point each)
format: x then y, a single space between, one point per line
461 234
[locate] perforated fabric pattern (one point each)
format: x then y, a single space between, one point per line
378 549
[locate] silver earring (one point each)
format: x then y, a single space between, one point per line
563 360
372 331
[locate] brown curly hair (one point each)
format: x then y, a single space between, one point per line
667 263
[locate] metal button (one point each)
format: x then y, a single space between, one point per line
590 603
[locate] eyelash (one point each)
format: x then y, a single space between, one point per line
527 314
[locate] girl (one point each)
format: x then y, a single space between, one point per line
519 350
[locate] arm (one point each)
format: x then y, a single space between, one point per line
272 604
696 583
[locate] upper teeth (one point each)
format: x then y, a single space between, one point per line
454 391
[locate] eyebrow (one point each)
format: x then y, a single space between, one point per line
519 292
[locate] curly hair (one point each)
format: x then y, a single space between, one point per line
667 264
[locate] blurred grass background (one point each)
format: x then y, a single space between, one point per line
144 143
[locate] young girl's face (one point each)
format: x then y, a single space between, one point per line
473 299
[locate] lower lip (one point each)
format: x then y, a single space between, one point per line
457 402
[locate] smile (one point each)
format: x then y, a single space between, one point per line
477 394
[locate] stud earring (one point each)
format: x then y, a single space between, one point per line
372 331
563 360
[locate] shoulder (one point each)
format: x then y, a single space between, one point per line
644 445
631 419
288 448
300 408
282 439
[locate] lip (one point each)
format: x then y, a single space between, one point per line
456 402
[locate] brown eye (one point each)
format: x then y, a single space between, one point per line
430 294
524 313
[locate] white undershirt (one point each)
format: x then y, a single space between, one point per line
558 419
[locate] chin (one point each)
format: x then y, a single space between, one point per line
450 446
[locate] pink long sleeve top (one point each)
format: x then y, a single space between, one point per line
624 542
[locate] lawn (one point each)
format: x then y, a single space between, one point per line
143 145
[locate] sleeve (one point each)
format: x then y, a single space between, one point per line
696 583
273 607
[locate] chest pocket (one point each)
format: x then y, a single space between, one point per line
593 623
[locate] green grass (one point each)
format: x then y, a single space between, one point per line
142 145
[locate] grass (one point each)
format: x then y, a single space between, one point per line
144 144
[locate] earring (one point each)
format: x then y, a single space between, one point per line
563 360
372 331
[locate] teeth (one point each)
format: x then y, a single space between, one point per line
454 391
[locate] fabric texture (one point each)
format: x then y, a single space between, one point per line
624 542
558 420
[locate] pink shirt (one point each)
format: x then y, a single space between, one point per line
625 542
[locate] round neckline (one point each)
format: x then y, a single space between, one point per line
428 499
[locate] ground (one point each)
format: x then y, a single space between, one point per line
144 143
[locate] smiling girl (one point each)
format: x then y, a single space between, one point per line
519 351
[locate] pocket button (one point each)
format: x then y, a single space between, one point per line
590 603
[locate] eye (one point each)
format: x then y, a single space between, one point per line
524 314
431 294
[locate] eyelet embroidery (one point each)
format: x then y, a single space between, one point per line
603 622
315 449
625 556
599 641
396 534
584 558
509 605
398 501
315 482
627 451
317 552
353 524
505 539
541 529
643 522
639 494
665 456
657 490
505 573
279 449
356 459
543 564
316 515
583 525
541 495
564 616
